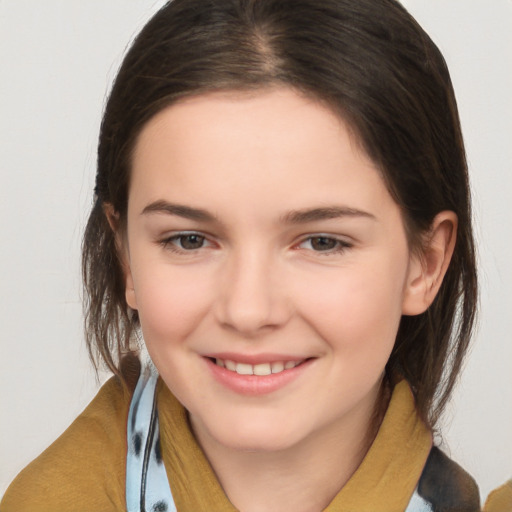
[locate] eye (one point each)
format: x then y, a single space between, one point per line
185 242
322 243
190 242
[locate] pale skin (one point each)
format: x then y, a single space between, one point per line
259 231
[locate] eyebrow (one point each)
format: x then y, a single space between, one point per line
291 217
317 214
179 210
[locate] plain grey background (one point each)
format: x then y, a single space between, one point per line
57 59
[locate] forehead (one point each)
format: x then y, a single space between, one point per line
268 147
246 114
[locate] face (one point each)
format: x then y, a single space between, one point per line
269 266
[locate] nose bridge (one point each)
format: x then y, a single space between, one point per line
251 298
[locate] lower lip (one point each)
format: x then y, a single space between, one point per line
256 385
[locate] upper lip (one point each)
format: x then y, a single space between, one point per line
254 359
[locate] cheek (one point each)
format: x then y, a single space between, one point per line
170 301
356 309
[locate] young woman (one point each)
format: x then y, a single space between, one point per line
282 217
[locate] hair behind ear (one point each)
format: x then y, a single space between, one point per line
108 326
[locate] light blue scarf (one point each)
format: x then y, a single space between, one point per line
147 486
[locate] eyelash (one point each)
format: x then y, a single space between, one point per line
171 243
340 245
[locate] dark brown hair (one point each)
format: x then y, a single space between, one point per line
375 66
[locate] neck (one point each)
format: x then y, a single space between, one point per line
304 477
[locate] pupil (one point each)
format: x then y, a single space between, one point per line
192 241
322 243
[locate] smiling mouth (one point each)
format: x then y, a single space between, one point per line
256 369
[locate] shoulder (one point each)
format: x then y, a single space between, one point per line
500 500
84 469
446 486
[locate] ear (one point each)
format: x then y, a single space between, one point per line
122 252
428 266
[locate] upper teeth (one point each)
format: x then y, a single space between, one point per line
256 369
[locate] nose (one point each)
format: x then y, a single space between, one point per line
252 297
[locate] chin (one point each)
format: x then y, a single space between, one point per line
262 435
258 444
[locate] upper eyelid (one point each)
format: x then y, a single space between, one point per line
167 237
176 234
339 238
